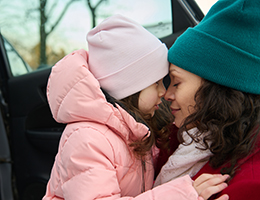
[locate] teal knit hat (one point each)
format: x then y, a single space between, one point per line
224 47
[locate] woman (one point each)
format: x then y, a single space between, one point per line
215 98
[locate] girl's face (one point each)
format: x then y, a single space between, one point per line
181 93
150 97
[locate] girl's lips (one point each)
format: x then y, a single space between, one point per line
157 105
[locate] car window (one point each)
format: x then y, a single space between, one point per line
205 5
39 33
14 58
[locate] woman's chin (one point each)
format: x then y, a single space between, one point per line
177 124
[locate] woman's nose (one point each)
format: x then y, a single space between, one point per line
169 95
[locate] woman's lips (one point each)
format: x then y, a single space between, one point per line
174 110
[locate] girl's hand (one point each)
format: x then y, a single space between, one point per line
208 184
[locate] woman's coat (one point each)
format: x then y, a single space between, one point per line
244 185
94 160
246 182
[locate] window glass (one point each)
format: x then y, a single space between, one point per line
21 67
205 5
42 32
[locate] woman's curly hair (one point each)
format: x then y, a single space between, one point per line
233 119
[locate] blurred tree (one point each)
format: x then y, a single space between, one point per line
39 18
44 18
52 56
93 10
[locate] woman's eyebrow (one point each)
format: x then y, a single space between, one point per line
173 70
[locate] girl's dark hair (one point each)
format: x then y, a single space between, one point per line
233 119
158 124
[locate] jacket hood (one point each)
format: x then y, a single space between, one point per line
74 95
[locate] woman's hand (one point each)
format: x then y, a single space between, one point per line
208 184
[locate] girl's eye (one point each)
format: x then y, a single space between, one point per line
176 84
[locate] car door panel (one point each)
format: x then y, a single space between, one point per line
34 133
5 164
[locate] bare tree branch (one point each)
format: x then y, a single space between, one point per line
89 4
94 8
93 11
52 8
99 3
60 17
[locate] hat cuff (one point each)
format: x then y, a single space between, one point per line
135 77
188 52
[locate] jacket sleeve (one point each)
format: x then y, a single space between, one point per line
178 189
89 171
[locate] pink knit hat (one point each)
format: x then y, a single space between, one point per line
124 57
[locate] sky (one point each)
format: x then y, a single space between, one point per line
135 9
205 5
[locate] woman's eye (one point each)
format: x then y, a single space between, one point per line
176 84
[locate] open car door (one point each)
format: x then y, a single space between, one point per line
33 134
28 125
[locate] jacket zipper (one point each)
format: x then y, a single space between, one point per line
143 175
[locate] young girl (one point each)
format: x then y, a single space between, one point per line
108 97
215 98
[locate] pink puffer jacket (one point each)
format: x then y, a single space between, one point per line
94 160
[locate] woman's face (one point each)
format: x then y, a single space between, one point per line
181 93
150 98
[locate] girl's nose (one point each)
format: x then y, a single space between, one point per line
162 91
